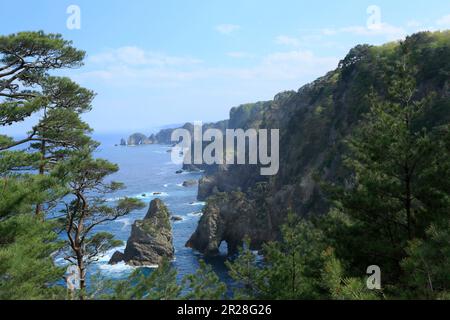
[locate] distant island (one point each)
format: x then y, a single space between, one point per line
164 135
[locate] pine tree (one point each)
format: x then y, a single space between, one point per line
26 245
291 267
248 274
399 160
427 266
293 264
27 270
60 131
25 60
341 287
26 88
86 208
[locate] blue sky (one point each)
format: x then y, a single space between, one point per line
159 62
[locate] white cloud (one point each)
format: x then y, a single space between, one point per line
141 69
176 93
296 64
239 55
444 21
287 40
227 28
135 56
329 31
414 24
381 29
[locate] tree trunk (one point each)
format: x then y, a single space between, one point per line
41 172
81 272
408 207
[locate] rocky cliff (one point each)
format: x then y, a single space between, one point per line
150 240
313 123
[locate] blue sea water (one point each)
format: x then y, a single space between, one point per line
146 170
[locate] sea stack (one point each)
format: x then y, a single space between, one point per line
151 238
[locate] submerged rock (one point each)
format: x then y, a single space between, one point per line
151 238
116 258
189 183
191 168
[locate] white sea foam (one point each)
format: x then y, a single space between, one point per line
150 195
141 196
108 254
125 221
114 199
198 203
116 269
195 214
113 269
61 262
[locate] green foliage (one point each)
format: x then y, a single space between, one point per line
294 263
247 273
204 284
391 211
59 148
291 268
427 265
397 192
160 284
27 271
25 59
393 157
340 287
86 208
20 192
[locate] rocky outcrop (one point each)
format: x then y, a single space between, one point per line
150 240
123 142
116 257
231 217
138 139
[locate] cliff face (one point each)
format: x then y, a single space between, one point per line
313 123
150 240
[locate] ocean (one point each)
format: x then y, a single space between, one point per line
146 170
